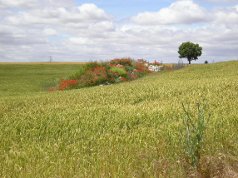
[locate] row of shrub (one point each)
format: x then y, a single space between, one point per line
104 73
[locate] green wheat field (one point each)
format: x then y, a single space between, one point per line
131 129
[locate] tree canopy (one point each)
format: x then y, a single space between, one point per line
190 51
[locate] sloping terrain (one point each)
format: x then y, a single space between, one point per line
130 129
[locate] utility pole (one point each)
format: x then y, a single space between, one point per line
51 59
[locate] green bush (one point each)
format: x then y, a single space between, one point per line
130 68
79 73
92 65
119 70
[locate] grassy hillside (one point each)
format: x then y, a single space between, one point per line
125 130
17 79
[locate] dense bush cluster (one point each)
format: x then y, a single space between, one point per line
114 71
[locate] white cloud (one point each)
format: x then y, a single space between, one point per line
91 11
180 12
28 4
227 16
87 32
87 13
222 1
18 3
49 31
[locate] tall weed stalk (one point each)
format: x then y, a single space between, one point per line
193 133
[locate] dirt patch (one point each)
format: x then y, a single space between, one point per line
215 167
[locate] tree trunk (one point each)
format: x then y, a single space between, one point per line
189 61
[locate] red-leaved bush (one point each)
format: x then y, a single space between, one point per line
117 70
122 61
94 76
141 69
66 84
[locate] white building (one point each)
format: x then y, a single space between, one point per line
154 68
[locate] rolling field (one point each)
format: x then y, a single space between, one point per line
26 78
130 129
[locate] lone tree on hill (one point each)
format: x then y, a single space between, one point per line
190 51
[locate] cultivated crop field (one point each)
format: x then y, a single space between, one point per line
131 129
27 78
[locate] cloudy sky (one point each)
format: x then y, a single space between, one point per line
87 30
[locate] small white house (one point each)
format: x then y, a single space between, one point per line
154 68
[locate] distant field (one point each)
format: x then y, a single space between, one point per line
48 63
130 129
20 78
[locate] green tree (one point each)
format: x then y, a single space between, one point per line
190 51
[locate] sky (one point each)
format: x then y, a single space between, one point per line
89 30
